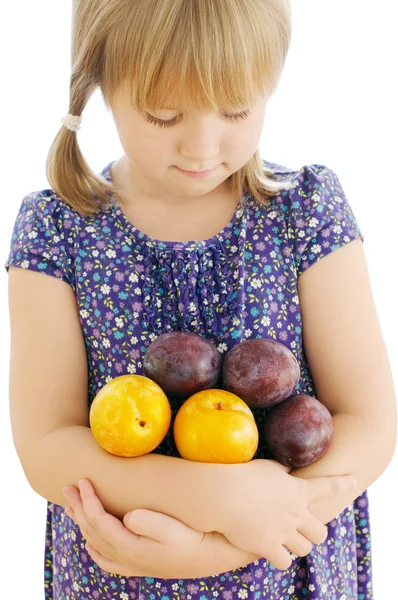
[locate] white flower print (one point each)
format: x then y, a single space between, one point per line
337 229
313 222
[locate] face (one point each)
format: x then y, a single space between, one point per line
197 142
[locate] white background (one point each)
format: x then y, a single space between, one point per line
336 105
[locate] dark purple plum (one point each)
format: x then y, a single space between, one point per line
183 363
261 372
298 431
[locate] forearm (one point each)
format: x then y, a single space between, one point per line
357 448
227 556
186 490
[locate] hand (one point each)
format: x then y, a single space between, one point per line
267 511
149 544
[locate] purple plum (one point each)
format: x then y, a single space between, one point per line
183 363
298 431
260 371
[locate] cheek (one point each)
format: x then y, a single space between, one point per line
243 142
141 146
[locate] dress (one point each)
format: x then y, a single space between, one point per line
239 284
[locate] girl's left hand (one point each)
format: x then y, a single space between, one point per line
151 544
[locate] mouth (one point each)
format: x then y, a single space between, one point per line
197 173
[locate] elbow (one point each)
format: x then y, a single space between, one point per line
36 470
33 476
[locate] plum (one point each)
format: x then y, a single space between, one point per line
298 431
260 371
183 363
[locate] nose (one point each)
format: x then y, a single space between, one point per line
200 144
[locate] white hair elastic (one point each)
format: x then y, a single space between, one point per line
71 122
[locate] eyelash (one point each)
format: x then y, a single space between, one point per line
235 117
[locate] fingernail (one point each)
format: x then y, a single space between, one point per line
66 493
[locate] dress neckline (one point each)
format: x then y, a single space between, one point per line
169 244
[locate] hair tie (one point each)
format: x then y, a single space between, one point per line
71 122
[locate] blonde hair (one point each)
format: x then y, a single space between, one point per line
207 53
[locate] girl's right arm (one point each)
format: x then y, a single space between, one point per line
50 418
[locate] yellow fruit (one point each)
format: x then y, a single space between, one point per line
130 416
215 426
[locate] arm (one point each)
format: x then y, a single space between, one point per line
357 448
349 364
183 489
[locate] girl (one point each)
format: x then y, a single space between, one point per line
190 230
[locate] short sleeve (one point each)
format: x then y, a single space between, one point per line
320 216
41 237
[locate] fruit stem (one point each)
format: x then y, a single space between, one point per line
219 406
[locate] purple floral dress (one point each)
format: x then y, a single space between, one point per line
239 284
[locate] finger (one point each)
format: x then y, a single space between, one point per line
96 515
111 566
75 508
280 558
313 529
158 526
110 529
299 545
69 511
71 494
329 487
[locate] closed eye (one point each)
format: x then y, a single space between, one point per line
162 123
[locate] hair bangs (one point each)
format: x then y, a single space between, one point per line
207 56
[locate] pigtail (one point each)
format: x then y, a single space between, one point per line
67 171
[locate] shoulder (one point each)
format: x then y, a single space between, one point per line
313 191
307 178
46 205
